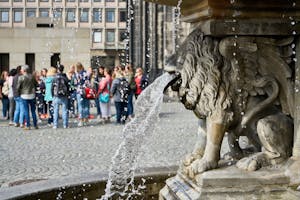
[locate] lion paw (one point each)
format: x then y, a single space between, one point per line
190 158
199 166
249 164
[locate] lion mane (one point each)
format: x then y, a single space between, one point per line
204 88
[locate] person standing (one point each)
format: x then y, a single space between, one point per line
60 93
82 82
129 75
104 95
19 111
26 87
42 86
48 94
12 103
120 95
141 81
71 75
4 94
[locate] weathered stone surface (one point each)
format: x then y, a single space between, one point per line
231 183
253 26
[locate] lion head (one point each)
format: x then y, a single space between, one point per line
202 86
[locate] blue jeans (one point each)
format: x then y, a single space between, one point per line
57 101
130 104
19 111
71 102
83 107
120 111
26 103
5 108
51 111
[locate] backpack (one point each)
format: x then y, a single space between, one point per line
60 86
123 88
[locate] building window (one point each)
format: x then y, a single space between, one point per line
3 0
57 0
123 16
110 15
31 12
44 12
97 15
97 36
122 35
17 0
18 15
70 14
84 15
70 0
44 0
84 0
110 36
97 0
4 15
109 0
30 0
57 12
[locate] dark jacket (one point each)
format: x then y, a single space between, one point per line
55 83
14 86
26 84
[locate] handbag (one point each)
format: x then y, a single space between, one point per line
104 98
89 93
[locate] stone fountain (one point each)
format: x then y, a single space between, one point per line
239 74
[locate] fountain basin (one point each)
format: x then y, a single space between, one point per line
89 186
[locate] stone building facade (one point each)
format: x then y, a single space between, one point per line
41 33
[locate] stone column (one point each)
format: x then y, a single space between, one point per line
296 148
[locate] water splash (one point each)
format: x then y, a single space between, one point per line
121 176
176 24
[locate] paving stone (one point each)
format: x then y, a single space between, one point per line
46 153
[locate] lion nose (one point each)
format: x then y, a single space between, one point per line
175 82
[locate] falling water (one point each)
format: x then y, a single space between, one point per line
147 107
176 24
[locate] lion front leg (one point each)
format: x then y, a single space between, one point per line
199 148
215 134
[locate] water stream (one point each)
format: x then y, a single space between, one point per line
147 107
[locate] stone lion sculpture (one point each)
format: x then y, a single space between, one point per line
241 86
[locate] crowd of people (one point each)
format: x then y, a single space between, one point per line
30 97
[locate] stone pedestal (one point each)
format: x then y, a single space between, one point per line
231 183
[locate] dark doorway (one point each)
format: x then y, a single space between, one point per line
55 59
30 61
106 61
4 62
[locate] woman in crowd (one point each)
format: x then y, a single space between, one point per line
141 81
71 100
119 104
26 85
12 103
40 94
48 94
4 94
82 82
104 95
42 104
129 75
19 111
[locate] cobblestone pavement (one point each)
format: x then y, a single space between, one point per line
46 153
